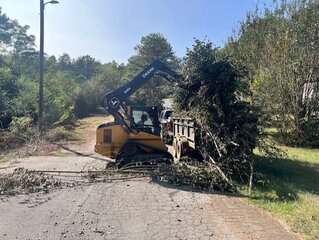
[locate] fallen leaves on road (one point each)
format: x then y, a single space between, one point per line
22 181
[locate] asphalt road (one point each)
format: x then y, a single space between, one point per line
134 208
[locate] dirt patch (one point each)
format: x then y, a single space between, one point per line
85 146
48 146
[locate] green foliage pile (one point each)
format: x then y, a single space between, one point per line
228 124
277 50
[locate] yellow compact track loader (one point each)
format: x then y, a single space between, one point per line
134 136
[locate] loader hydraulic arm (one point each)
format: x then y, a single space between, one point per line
114 101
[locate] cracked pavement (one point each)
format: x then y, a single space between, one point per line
136 208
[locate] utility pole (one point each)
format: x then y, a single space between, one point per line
41 101
40 123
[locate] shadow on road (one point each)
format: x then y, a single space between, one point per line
82 154
189 188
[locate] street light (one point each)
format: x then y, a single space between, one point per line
42 6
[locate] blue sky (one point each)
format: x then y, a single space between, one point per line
109 29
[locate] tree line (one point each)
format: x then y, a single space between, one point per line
277 51
274 52
73 88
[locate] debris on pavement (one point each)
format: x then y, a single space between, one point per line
22 181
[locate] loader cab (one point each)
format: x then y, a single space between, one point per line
145 119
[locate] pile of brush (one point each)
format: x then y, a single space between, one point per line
213 95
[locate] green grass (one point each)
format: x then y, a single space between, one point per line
289 189
303 154
3 157
61 133
95 120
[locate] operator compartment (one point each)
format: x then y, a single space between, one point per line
145 119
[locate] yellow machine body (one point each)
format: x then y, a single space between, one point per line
111 137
